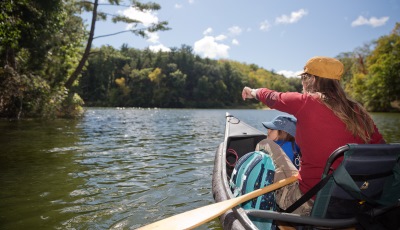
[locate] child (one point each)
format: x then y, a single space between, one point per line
282 130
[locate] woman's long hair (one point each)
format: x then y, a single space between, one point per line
331 93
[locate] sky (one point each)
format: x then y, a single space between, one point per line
278 35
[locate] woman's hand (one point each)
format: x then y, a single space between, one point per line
248 93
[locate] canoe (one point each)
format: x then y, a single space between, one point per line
241 138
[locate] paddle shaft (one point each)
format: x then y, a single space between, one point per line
199 216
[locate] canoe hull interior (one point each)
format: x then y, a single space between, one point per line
243 139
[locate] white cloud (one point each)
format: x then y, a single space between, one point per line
293 18
159 47
235 42
265 25
146 17
191 1
209 47
178 6
288 73
153 37
220 37
373 21
235 30
208 31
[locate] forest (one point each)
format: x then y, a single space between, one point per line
48 68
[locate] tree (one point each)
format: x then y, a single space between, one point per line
39 41
384 72
100 75
27 25
348 61
175 83
98 15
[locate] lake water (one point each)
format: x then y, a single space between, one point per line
117 168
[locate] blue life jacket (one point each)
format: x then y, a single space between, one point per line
293 154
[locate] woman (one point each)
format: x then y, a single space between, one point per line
326 119
282 130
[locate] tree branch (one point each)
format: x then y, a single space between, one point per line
120 32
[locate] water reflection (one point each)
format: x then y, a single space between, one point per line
389 126
32 175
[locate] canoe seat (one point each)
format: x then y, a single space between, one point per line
368 178
363 191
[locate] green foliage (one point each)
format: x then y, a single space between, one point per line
71 106
28 95
107 66
384 72
180 78
176 79
9 32
357 87
42 47
372 76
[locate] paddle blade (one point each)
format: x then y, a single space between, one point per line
199 216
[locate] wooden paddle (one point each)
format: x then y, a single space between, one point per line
199 216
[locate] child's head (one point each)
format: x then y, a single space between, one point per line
282 127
